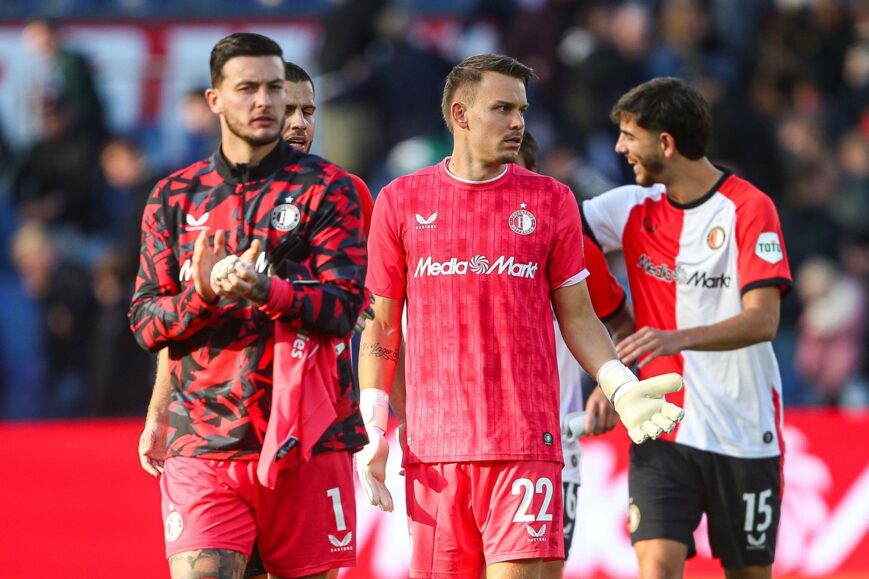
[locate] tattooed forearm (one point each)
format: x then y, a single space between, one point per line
208 564
378 351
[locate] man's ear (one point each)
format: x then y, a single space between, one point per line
212 97
667 144
459 115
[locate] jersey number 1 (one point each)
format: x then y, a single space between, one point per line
335 495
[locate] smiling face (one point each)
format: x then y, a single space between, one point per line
299 123
250 99
643 151
494 119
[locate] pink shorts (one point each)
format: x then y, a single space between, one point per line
305 526
467 515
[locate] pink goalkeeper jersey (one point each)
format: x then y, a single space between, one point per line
689 266
476 262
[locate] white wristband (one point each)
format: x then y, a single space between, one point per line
374 407
612 376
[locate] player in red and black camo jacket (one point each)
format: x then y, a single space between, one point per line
225 347
293 205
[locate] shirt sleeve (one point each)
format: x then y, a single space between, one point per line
366 202
566 265
162 311
607 295
604 217
762 257
387 270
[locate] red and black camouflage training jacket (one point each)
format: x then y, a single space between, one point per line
220 355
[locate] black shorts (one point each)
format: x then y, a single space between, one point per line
255 563
672 485
569 499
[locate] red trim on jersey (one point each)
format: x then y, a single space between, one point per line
366 202
777 405
607 296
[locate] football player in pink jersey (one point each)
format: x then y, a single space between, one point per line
477 248
707 269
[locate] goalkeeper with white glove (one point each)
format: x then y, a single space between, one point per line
640 404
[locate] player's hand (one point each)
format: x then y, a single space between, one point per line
641 404
574 425
152 446
371 460
250 254
235 277
226 277
600 415
371 468
205 257
647 344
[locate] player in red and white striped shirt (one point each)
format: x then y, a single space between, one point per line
707 268
476 247
597 417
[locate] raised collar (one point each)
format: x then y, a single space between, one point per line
242 172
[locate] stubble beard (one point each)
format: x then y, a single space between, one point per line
507 157
653 168
236 128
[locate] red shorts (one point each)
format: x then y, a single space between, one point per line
305 526
467 515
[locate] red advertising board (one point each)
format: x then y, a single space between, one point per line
75 503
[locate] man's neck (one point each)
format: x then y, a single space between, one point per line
691 180
238 152
463 166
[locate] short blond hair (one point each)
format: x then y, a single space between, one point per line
467 75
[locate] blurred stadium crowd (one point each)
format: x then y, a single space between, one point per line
788 81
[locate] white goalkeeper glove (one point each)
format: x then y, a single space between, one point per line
371 460
641 404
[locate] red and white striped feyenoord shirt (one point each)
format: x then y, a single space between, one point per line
689 266
476 262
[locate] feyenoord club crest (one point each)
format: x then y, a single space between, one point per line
715 237
286 217
173 525
522 221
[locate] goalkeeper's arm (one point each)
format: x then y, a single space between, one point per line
641 405
378 358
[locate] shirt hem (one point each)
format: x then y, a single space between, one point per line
555 554
783 283
746 455
416 459
389 294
